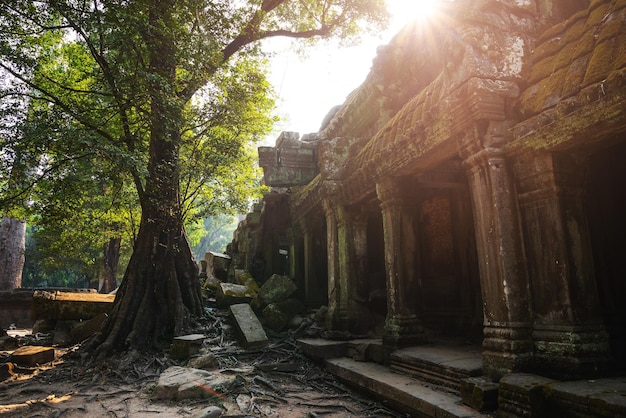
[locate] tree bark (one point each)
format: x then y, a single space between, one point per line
12 246
160 290
111 261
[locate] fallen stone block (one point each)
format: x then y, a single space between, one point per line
275 318
62 332
180 383
86 329
204 362
245 278
480 393
248 326
231 294
32 355
186 346
70 306
276 289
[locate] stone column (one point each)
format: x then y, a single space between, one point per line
569 336
507 345
402 325
308 258
332 246
359 290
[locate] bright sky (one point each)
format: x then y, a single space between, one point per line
309 87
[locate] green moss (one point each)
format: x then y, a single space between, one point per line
574 33
547 49
614 27
565 57
545 94
601 62
542 69
584 46
596 15
620 62
574 77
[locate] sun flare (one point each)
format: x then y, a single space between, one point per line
414 9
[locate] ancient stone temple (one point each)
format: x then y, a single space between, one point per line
471 188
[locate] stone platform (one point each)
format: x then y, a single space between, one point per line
406 380
443 366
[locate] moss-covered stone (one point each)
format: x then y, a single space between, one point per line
601 62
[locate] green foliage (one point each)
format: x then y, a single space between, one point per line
41 270
169 97
212 234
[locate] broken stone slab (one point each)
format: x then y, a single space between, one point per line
204 362
276 289
32 355
248 326
245 278
480 393
86 329
178 383
186 346
231 294
70 305
215 264
275 318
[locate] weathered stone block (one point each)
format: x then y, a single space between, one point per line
66 305
184 383
204 362
276 289
521 395
232 294
480 393
86 329
275 318
33 355
186 346
248 326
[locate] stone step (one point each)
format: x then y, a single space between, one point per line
399 391
443 366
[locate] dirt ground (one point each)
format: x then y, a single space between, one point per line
277 381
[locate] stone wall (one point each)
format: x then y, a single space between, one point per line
461 192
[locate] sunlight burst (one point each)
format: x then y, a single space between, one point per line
420 10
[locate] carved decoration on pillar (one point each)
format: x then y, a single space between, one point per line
333 261
569 336
502 261
402 326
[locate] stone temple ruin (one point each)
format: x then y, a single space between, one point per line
471 189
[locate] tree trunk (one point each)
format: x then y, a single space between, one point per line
12 246
111 261
160 290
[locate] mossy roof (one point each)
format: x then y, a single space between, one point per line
575 54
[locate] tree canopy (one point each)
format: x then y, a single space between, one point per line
166 93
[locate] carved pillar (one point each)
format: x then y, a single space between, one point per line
308 264
507 344
332 246
569 335
359 289
402 325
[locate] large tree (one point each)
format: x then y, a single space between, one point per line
135 81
